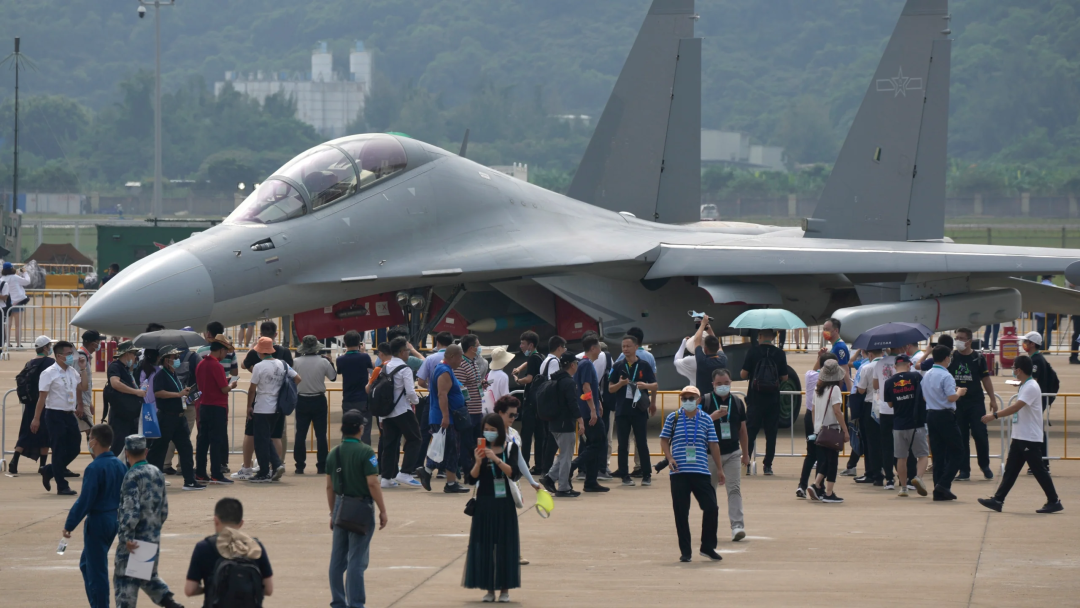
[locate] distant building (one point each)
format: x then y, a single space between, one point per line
518 170
325 100
733 149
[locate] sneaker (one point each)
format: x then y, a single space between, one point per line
12 473
920 487
800 493
455 488
504 597
596 488
425 479
903 492
990 503
864 479
404 479
626 481
221 481
962 476
604 476
711 554
168 470
909 487
278 473
192 487
747 472
548 483
298 472
388 483
987 473
879 483
889 485
523 561
767 471
832 498
170 602
636 473
567 494
259 479
244 474
684 558
202 478
737 534
1051 507
848 472
941 494
70 492
70 473
441 475
812 493
489 597
646 481
581 476
46 478
168 484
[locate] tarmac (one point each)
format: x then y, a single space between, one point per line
616 549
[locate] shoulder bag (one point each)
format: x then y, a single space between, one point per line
830 436
354 512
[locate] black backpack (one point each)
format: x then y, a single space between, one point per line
546 394
26 383
236 583
382 393
766 377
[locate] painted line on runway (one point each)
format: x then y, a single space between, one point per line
31 524
433 575
982 545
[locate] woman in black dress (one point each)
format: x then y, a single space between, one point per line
492 560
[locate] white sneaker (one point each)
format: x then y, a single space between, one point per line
504 597
388 483
407 480
903 492
489 597
243 474
737 534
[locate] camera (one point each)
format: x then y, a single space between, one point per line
142 12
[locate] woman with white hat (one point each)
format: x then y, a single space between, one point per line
497 380
828 416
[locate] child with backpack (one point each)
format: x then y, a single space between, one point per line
229 567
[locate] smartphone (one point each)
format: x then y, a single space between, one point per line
481 443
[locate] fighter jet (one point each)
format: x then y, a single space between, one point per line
362 229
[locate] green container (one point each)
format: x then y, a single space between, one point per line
125 244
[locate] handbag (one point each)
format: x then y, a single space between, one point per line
830 436
470 507
515 491
354 513
151 429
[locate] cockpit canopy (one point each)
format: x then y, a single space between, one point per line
322 175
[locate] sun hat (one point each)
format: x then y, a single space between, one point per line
831 372
500 358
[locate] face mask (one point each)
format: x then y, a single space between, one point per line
176 364
722 390
69 360
827 336
491 436
479 350
961 345
1014 373
689 405
130 363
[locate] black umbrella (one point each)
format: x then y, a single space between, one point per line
174 337
891 335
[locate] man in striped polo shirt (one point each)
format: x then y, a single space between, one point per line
687 438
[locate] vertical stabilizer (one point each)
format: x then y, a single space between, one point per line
651 125
888 183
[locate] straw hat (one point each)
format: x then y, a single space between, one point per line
500 358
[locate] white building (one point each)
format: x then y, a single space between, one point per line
733 148
772 157
324 99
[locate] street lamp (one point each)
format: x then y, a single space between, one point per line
155 206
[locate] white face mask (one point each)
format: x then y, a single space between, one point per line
689 405
722 390
960 345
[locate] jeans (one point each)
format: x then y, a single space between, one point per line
348 561
99 532
174 429
363 407
268 457
763 415
700 485
560 468
636 421
871 435
993 329
945 445
213 437
1046 328
969 420
65 442
311 410
1021 451
393 430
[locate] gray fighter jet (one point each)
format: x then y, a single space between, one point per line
384 216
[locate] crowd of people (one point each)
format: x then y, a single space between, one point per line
895 408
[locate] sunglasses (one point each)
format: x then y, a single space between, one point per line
513 416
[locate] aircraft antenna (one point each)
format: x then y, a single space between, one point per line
464 144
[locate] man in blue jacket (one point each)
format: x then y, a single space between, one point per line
98 503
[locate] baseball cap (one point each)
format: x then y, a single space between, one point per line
1035 337
42 341
905 358
91 336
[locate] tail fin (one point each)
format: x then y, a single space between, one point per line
888 183
644 156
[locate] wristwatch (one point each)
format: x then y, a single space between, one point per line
995 415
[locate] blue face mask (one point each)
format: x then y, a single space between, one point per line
176 363
491 436
722 390
69 360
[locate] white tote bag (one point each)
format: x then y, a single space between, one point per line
437 447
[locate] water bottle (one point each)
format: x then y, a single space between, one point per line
62 546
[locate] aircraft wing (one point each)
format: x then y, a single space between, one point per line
796 256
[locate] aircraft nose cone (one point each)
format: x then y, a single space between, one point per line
171 287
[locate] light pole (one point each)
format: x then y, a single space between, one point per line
155 205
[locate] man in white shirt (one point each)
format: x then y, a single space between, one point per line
884 369
550 365
401 422
57 399
1027 437
868 426
266 378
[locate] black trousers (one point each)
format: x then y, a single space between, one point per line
393 430
551 448
945 445
828 461
637 422
969 421
534 433
122 426
311 410
1029 452
174 428
64 442
1073 355
213 437
871 436
268 457
763 415
591 456
811 457
700 485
